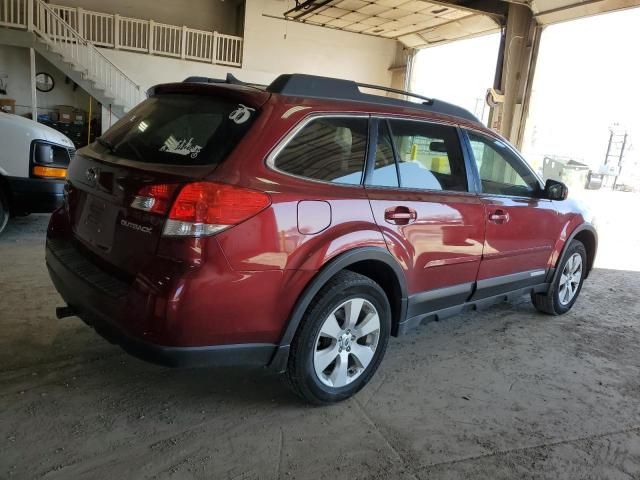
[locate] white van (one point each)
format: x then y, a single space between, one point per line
33 166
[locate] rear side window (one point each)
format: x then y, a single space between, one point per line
327 149
429 156
384 170
180 130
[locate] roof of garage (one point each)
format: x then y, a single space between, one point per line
413 22
421 23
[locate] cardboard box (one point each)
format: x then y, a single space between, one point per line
8 105
65 114
79 117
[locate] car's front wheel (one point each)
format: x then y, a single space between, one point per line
341 341
567 283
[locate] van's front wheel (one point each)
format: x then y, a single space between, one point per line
4 211
341 341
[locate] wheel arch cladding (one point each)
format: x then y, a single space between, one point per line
374 262
589 239
381 273
5 191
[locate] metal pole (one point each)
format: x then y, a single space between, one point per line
624 144
89 129
34 98
606 157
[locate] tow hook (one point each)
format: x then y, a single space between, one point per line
64 312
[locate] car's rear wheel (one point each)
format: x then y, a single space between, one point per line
341 340
4 211
567 283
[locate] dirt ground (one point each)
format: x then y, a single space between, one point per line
504 393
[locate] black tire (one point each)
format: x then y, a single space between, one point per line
301 376
549 302
4 211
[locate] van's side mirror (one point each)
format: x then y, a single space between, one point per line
554 190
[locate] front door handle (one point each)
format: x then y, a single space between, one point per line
499 217
400 215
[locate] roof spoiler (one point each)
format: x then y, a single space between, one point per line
230 79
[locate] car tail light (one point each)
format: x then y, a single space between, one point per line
201 208
154 198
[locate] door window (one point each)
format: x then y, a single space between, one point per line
429 156
384 173
327 149
501 172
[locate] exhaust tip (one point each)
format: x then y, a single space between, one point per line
64 312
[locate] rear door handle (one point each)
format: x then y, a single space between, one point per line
400 215
499 217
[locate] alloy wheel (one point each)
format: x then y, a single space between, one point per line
346 343
570 279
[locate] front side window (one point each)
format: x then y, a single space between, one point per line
330 149
501 172
429 156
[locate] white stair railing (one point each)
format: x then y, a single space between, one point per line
66 41
115 31
13 13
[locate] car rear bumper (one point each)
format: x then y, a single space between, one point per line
35 195
99 299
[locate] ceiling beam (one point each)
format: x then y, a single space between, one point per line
305 8
496 9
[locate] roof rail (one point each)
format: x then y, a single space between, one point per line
301 85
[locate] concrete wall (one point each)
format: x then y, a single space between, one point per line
14 71
209 15
273 46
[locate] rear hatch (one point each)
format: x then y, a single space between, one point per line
177 136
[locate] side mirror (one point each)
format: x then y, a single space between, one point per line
554 190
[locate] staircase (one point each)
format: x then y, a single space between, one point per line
33 23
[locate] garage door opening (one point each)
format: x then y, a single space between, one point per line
583 125
458 72
585 88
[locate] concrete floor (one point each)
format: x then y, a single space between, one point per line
504 393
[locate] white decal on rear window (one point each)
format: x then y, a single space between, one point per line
181 147
241 114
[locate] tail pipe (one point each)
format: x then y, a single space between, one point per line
64 312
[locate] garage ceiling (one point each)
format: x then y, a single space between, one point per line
554 11
415 23
422 23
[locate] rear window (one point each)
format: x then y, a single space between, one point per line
329 149
180 130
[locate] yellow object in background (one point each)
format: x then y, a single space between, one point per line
414 152
440 165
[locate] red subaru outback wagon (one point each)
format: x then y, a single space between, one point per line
298 226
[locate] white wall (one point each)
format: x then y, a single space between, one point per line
274 45
267 53
14 64
219 15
